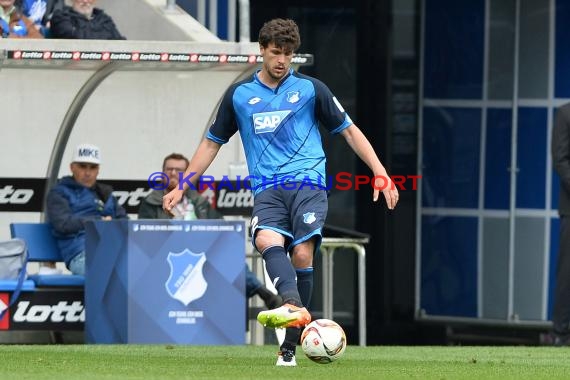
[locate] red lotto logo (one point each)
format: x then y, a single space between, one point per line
4 302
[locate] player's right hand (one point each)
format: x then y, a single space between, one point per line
171 199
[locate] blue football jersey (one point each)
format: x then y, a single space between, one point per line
279 128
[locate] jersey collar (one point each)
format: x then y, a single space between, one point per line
283 80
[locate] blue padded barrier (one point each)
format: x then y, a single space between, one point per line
11 285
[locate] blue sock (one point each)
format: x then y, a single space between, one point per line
305 285
282 274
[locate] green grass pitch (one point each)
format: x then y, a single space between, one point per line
85 362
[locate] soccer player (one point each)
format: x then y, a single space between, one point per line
277 112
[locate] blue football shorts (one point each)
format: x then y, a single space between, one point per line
297 214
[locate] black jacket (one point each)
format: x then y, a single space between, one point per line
70 205
67 23
561 156
52 6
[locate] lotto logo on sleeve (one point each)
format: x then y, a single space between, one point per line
4 302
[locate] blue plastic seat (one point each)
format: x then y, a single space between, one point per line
42 247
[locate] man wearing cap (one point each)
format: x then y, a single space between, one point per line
76 199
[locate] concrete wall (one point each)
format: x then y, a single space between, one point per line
148 20
137 115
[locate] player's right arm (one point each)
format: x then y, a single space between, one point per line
202 159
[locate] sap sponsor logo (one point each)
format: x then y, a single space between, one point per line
231 199
267 122
131 198
9 195
61 312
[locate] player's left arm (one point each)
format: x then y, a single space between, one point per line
363 149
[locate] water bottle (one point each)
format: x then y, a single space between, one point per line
190 213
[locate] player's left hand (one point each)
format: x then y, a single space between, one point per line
389 190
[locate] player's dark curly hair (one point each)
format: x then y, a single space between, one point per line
284 33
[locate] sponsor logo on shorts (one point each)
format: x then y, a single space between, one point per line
309 217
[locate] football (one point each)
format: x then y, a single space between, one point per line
323 341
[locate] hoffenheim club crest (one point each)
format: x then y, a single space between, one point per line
186 282
309 217
293 96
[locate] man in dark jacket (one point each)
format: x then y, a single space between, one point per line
561 163
83 21
194 206
77 199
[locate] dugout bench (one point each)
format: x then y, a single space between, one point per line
53 303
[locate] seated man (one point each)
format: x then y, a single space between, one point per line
195 206
83 21
77 199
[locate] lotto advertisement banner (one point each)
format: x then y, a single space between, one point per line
26 194
45 309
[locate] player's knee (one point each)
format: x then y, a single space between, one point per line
302 259
265 239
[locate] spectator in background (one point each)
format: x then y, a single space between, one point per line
13 24
40 12
77 199
561 161
83 21
195 206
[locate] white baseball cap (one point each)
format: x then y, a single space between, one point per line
87 153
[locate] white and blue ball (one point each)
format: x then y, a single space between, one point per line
323 341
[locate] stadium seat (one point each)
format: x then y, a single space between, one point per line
42 247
